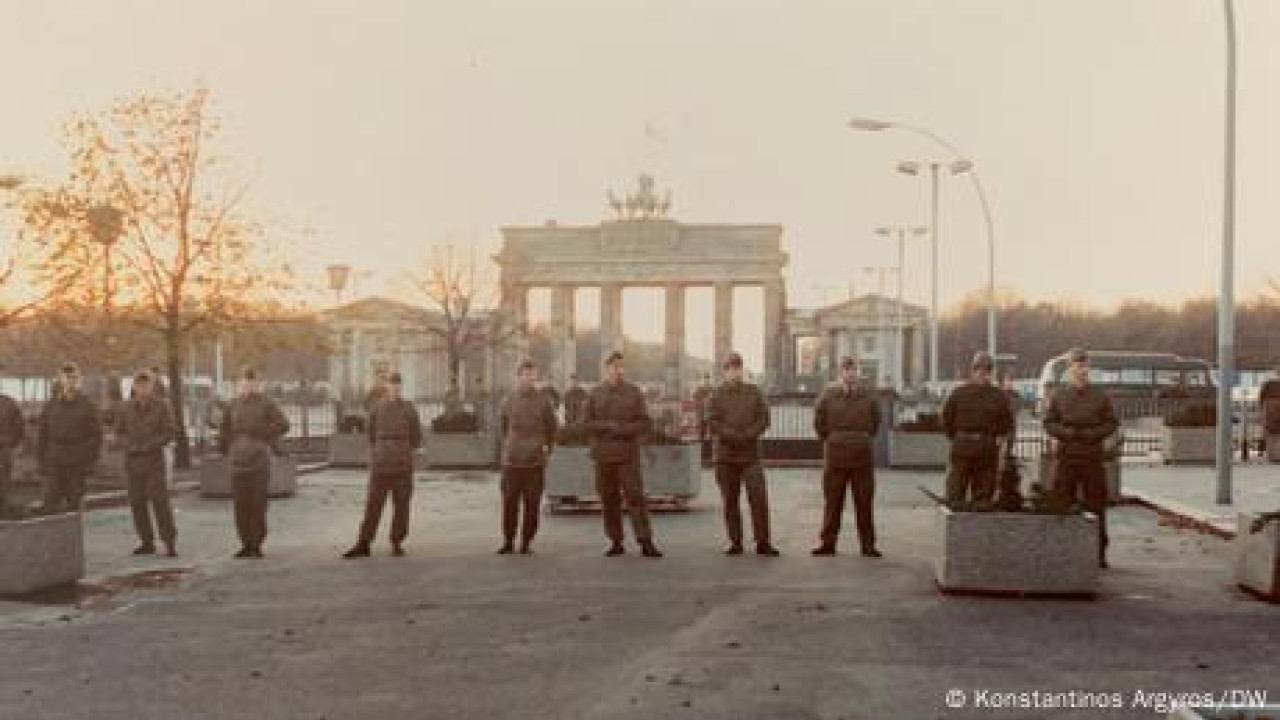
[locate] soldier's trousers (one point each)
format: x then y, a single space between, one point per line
148 493
64 488
400 487
972 479
249 498
521 488
835 483
1086 482
6 473
732 477
613 480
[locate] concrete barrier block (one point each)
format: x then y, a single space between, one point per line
1017 553
40 553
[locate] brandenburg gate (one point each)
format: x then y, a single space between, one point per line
640 246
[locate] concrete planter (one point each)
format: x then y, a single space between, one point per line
349 450
460 450
1273 448
1188 446
216 482
570 473
670 472
1016 553
40 553
1258 557
918 450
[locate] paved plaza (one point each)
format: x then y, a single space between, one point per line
454 631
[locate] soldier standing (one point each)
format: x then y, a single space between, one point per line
528 426
574 398
1269 400
737 416
976 419
617 416
1081 417
69 444
144 426
251 427
395 431
846 420
13 428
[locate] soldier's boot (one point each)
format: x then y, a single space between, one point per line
170 548
360 550
871 552
615 550
507 548
824 550
649 550
767 550
397 550
244 553
526 546
145 549
734 548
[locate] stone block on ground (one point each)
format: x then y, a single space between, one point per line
1017 553
349 450
1258 557
1188 445
41 552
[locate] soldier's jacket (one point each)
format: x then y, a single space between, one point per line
574 398
143 429
973 416
251 427
617 417
846 419
395 431
13 427
1081 419
70 433
376 394
737 415
528 426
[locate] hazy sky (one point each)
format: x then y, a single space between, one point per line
386 126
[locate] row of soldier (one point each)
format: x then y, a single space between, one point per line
976 416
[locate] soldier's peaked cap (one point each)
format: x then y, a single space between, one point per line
1077 354
614 357
982 359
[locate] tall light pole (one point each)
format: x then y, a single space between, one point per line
106 225
870 125
900 233
935 167
1226 299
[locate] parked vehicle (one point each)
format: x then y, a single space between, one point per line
1126 374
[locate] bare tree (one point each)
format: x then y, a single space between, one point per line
466 296
183 256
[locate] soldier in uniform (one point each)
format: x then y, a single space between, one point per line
737 416
144 426
617 417
1269 400
251 427
574 398
976 419
549 392
13 428
846 419
395 431
69 443
528 426
1081 417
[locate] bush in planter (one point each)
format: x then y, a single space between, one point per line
924 423
456 422
1040 502
11 512
1193 415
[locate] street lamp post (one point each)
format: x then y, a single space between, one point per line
106 224
900 233
1226 299
870 125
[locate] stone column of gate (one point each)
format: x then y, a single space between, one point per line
513 337
564 350
610 319
675 341
775 335
723 321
